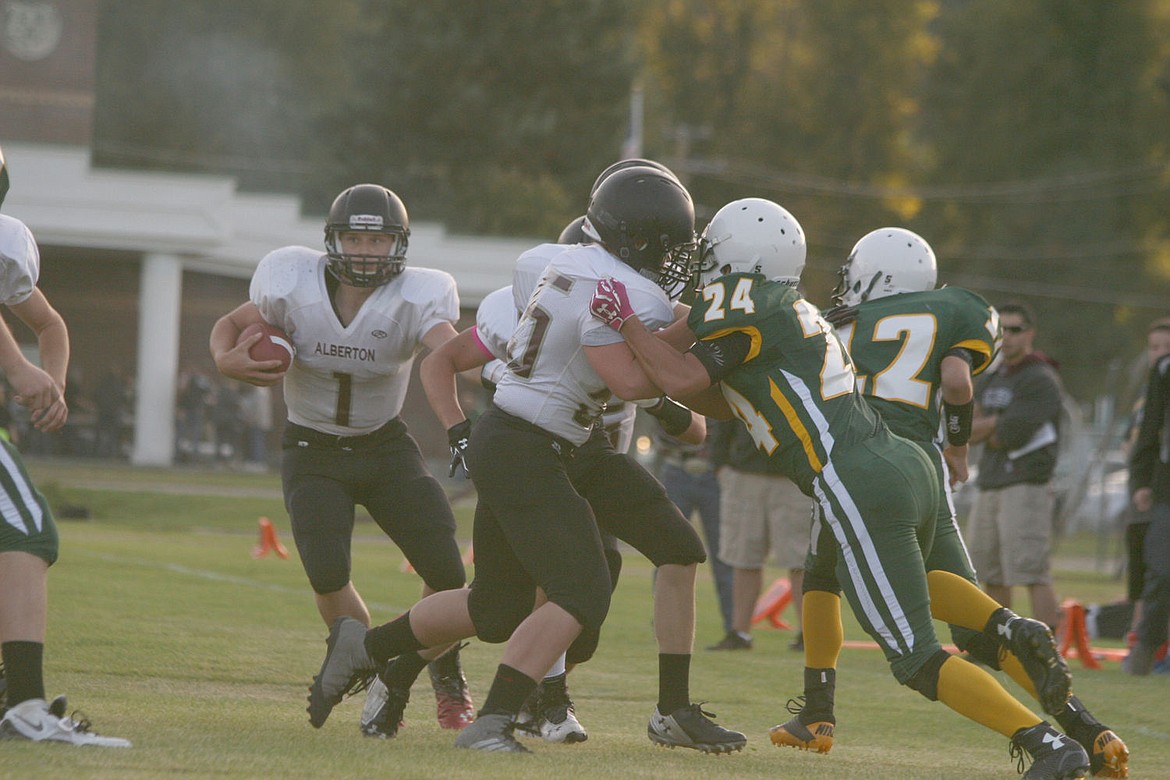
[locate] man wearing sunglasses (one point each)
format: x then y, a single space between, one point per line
1017 418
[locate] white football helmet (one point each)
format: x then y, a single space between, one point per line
752 235
886 261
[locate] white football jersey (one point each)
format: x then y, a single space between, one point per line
20 261
495 319
349 380
549 380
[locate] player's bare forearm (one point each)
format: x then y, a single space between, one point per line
709 402
956 381
679 374
438 371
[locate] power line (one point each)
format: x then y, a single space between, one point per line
1097 184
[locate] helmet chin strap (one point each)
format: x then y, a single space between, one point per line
872 283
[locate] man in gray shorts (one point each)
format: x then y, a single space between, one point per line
1018 420
759 509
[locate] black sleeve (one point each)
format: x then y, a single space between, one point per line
964 354
721 356
1144 456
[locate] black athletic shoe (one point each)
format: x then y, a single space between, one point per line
1033 644
691 727
1054 755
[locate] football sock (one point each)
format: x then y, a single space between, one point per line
509 690
975 694
24 671
403 670
674 681
390 639
558 668
959 601
823 634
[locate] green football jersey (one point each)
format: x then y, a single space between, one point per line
796 391
898 342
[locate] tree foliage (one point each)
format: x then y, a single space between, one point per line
1026 141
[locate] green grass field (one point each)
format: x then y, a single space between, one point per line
164 630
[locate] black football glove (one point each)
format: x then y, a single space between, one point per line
457 436
841 315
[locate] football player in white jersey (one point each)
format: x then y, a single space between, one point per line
550 712
357 316
532 528
28 534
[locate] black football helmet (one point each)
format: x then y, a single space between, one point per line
3 178
367 208
573 234
632 162
646 218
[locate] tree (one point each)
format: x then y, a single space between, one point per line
1046 122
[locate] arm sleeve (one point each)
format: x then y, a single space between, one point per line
722 355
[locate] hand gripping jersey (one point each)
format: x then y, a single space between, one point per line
897 344
549 381
796 391
349 380
20 261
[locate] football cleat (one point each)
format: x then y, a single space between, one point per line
555 718
453 704
31 720
491 733
816 736
1054 755
346 666
692 727
1108 755
383 709
1033 644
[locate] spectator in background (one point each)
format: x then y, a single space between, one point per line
228 421
194 400
1017 418
256 415
110 401
761 510
1137 523
1149 483
687 472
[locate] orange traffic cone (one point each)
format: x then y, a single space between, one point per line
772 603
268 541
1074 637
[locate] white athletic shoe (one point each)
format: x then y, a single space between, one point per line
32 720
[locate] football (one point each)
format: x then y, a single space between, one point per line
274 345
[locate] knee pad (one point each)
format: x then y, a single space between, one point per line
324 576
495 617
584 646
613 561
979 646
925 680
